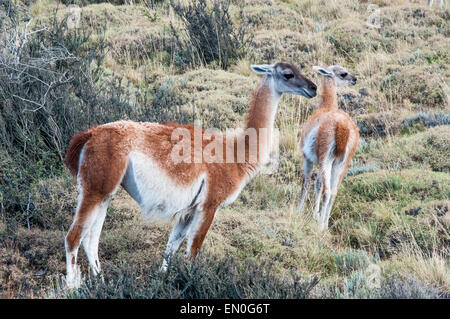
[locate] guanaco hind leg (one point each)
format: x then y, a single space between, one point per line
92 238
88 212
307 171
318 188
325 170
179 231
194 225
336 176
199 229
96 185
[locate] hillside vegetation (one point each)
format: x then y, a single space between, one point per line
149 61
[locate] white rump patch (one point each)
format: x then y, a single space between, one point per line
308 145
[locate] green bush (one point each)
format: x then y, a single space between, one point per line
167 101
378 189
211 34
350 40
410 289
358 286
420 85
351 260
205 277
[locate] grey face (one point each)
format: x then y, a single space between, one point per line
340 74
287 79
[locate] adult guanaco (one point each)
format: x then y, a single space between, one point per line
139 156
329 139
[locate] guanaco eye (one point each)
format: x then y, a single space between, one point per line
288 76
343 75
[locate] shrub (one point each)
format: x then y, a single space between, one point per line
29 259
351 260
421 86
410 289
377 125
425 150
350 40
426 119
205 277
361 169
412 24
358 286
51 87
167 101
48 88
211 35
17 177
378 189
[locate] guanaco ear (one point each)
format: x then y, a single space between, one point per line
322 71
262 68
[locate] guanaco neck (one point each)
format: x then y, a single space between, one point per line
261 118
329 96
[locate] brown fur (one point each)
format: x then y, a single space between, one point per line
341 135
73 151
328 97
107 150
258 115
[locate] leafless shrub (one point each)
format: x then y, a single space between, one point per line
205 277
52 86
211 34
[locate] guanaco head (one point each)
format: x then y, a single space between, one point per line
339 74
287 79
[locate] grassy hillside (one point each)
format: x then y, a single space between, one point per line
389 228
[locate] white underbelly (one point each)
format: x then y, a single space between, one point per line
158 195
